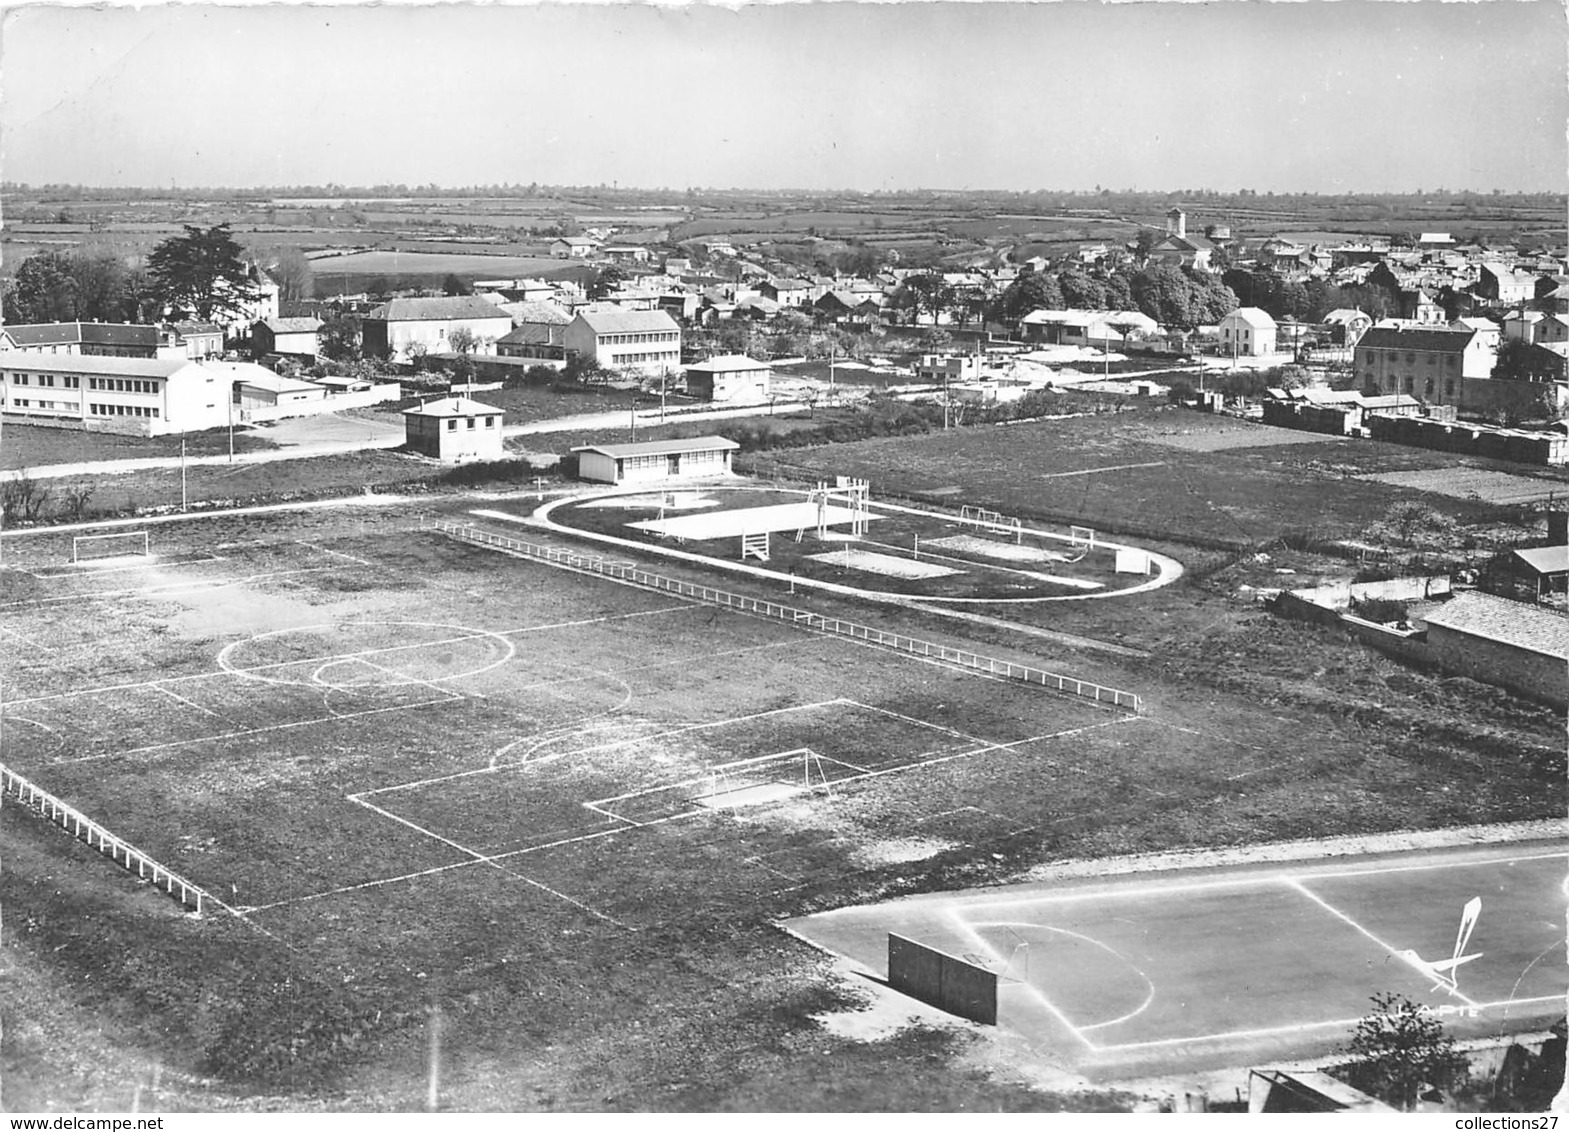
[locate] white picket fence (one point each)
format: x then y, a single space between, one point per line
596 564
81 826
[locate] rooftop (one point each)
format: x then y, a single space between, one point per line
1507 622
661 447
90 333
451 407
94 364
728 363
1440 339
618 321
430 310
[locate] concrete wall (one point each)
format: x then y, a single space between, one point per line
1533 674
942 981
375 395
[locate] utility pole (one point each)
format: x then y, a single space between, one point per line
183 496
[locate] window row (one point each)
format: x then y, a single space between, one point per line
46 380
628 339
121 385
667 357
121 411
452 423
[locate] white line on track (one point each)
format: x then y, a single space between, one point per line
1029 988
1483 861
10 632
1292 882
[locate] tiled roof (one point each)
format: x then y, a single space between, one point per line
293 325
661 447
1344 314
1441 339
1507 622
728 363
536 311
627 322
451 407
1255 317
430 310
87 333
187 328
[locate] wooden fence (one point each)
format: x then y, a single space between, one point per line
596 564
85 829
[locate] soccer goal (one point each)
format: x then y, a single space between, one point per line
1082 536
120 544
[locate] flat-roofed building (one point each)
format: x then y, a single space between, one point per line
1513 644
454 429
656 460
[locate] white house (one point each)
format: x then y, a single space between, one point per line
573 247
400 326
1247 332
732 378
1085 327
656 460
646 342
454 429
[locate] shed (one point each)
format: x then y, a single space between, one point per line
1546 566
454 429
656 460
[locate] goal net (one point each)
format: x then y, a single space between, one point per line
120 544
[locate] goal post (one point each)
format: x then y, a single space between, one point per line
118 544
1082 536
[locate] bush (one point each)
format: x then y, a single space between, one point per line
1384 611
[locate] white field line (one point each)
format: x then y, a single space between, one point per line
598 747
1030 988
241 671
335 553
405 678
917 722
1331 875
168 589
10 632
192 703
257 730
1098 471
480 858
615 830
1292 882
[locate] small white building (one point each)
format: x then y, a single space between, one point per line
1247 332
731 378
454 429
656 460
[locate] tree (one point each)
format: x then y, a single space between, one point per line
99 280
340 338
1082 291
44 290
1031 291
201 273
1519 360
1398 1049
292 271
452 285
463 340
605 280
924 292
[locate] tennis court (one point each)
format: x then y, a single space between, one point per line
1147 974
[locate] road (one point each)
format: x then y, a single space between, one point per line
341 434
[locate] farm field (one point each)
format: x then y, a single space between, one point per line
32 446
432 263
566 813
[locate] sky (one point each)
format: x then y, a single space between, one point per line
1351 96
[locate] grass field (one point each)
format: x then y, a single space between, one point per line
32 446
429 263
564 814
1155 472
